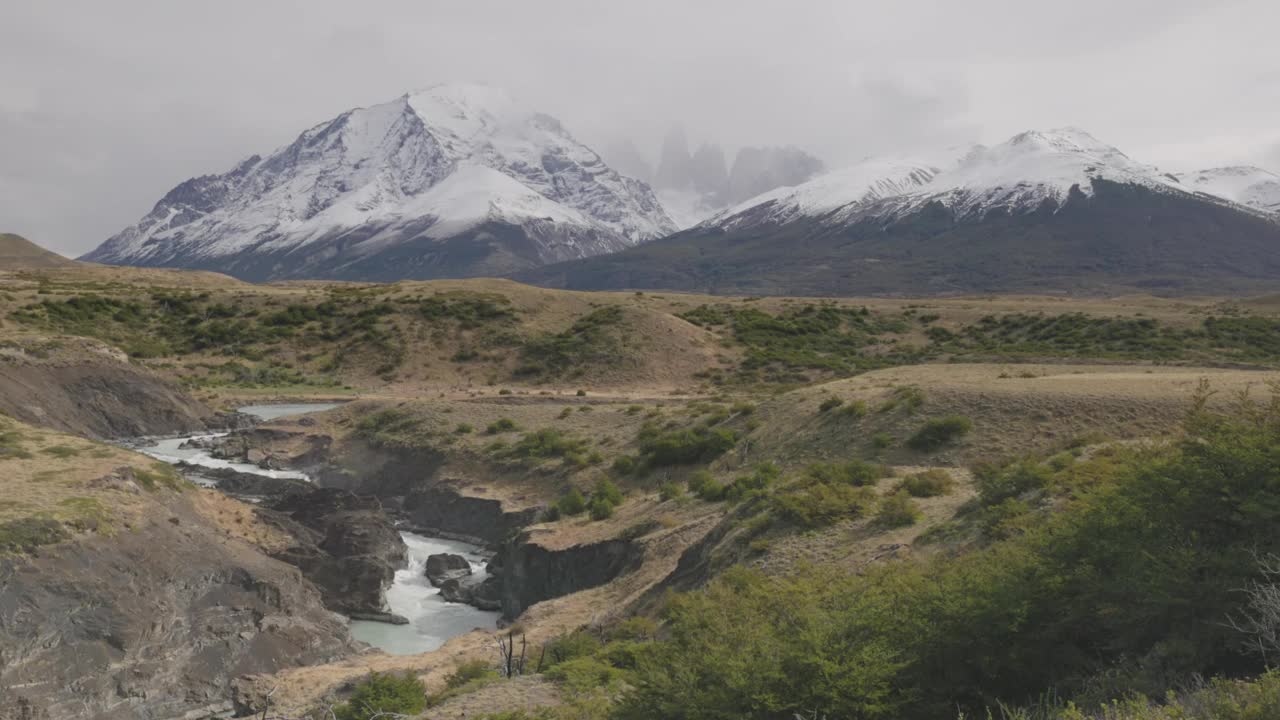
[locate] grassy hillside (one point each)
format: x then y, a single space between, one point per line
862 508
19 253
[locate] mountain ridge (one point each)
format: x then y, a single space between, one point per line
431 165
1045 210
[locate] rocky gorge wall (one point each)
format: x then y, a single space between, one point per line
532 573
153 622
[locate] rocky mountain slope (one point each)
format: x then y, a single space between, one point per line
1044 210
451 181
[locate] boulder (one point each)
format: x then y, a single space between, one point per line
446 566
483 594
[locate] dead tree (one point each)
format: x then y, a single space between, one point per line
511 664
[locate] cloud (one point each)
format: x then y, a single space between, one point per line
108 105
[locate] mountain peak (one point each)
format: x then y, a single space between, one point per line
434 164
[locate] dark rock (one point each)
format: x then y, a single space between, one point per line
446 566
243 484
382 617
483 594
154 622
488 594
443 510
344 543
231 421
532 573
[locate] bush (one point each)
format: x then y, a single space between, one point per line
571 503
698 480
830 403
584 674
463 428
853 472
856 409
684 447
607 491
930 483
819 504
881 441
469 671
625 465
501 425
996 484
601 509
897 510
938 432
669 491
385 693
579 643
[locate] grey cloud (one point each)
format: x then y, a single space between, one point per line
107 105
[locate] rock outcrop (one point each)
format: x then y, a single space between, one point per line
345 544
442 567
154 622
531 573
444 510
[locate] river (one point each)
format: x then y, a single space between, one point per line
432 621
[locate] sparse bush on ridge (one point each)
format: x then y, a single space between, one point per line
937 432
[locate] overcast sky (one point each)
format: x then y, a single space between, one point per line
104 106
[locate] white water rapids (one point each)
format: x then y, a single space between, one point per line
432 621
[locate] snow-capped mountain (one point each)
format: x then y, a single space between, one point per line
453 180
1020 175
1250 186
1054 209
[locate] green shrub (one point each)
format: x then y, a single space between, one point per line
856 409
939 431
550 443
501 425
997 484
669 491
463 428
881 441
830 403
571 503
698 480
853 472
761 477
469 671
584 674
625 465
381 694
600 508
607 491
897 510
684 447
577 644
930 483
636 627
817 504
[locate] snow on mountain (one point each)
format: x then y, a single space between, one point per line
1018 175
433 164
1249 186
847 189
